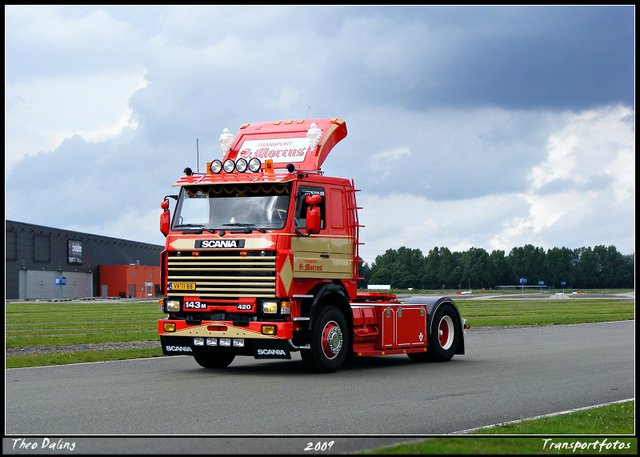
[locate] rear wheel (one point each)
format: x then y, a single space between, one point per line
214 357
445 334
329 342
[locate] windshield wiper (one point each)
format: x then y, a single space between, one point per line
197 227
248 228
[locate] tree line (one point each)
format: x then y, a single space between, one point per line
583 268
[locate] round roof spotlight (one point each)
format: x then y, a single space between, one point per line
216 166
229 166
291 168
241 165
188 171
254 165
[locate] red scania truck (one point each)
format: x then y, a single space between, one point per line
261 259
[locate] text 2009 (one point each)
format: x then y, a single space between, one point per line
319 446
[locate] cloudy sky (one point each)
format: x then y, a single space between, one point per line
486 127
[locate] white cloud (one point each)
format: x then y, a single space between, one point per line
577 213
41 113
56 28
593 144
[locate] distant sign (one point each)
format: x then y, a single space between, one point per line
541 283
61 280
74 252
523 280
562 283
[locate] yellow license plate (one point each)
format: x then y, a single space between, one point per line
182 286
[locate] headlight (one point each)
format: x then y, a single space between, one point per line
269 307
173 306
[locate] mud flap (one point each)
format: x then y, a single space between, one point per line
176 345
270 349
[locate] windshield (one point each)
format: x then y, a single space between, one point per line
223 207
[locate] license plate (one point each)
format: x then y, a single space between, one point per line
182 286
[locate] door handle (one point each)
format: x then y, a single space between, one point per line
324 256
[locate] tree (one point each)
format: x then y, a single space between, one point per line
559 266
476 272
500 269
527 262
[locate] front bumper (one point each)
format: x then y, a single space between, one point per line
245 340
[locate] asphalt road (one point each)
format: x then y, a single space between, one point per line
506 374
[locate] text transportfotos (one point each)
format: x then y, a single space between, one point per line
549 444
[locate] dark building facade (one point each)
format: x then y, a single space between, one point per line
48 263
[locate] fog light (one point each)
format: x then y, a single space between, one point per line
211 341
269 329
238 343
226 342
173 306
269 307
198 341
169 326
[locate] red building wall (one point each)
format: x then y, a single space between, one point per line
134 281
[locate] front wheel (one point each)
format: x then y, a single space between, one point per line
214 357
445 334
329 342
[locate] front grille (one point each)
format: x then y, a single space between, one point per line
225 275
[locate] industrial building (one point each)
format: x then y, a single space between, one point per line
44 263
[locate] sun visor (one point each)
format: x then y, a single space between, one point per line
305 144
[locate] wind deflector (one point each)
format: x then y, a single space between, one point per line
305 144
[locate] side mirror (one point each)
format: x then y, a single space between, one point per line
165 217
313 213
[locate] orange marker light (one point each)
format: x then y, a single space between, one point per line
268 166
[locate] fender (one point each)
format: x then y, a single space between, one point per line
320 294
432 304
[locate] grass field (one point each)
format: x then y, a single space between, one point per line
544 311
55 324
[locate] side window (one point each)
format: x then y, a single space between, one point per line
301 205
336 208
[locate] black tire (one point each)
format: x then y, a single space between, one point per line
214 357
445 334
329 342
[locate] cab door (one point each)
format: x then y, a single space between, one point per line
328 254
